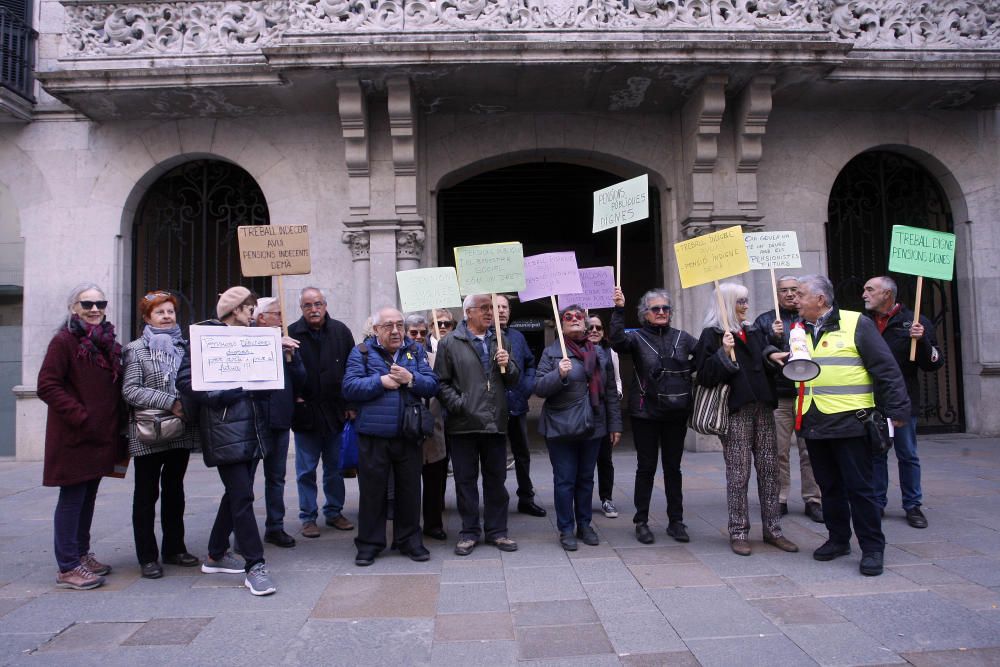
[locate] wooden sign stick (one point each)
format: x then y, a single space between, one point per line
774 291
496 327
618 258
284 315
725 316
437 329
916 317
555 312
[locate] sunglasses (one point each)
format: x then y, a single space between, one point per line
572 316
417 332
153 296
446 325
595 327
89 305
742 302
659 309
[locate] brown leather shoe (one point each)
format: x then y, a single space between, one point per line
79 578
782 543
310 529
340 522
740 547
94 565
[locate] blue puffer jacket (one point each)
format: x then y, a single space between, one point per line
517 397
379 409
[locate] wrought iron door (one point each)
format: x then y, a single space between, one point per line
875 191
185 235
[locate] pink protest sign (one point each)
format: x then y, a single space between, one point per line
598 289
549 274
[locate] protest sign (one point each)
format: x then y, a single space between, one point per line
773 250
274 250
427 289
234 357
711 257
548 274
490 268
621 204
598 289
922 253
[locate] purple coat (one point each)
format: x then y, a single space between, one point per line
83 437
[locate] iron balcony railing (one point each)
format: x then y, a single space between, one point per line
17 54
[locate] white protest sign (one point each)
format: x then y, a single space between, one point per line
773 250
598 289
621 203
425 289
234 357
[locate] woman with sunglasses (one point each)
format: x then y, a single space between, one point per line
752 401
151 364
605 465
80 380
578 388
659 403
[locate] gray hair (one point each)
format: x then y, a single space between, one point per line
730 293
415 319
263 304
377 314
890 284
788 276
74 296
441 311
818 284
655 293
313 289
470 300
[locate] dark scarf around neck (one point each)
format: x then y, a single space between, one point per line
595 382
98 344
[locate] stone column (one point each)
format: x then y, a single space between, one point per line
383 263
361 259
409 248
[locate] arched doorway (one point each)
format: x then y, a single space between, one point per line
873 192
548 207
185 235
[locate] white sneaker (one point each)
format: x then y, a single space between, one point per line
259 580
609 509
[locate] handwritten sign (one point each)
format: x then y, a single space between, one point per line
233 357
621 203
490 268
274 250
424 289
548 274
773 250
712 257
598 289
922 252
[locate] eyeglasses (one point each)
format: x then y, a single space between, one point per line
153 296
276 313
310 305
389 326
572 316
485 308
446 324
595 327
788 290
89 305
417 332
659 309
742 302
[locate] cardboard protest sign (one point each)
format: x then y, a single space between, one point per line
922 252
621 203
548 274
274 250
598 289
233 357
426 289
773 250
712 257
490 268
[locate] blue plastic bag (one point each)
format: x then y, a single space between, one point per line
349 446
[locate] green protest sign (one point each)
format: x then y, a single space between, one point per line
922 252
490 268
424 289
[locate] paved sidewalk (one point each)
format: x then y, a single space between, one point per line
938 602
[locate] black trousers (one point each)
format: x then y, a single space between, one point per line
843 470
435 477
236 515
654 440
470 453
152 472
605 470
517 434
377 457
73 517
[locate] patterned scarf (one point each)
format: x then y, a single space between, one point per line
166 347
98 344
595 382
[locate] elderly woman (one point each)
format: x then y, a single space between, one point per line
581 408
417 328
728 335
81 381
598 335
151 365
659 402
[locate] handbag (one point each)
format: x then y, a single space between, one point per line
153 425
570 421
711 410
349 446
418 421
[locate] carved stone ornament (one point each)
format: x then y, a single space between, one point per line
359 244
184 28
410 244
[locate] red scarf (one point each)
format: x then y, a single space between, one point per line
588 354
98 344
882 321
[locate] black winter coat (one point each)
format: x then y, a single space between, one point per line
281 403
784 387
325 357
559 392
897 337
749 379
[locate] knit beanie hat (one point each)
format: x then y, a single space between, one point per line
230 300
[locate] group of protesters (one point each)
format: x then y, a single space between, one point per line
431 394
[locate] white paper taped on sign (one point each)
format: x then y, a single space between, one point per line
773 250
233 357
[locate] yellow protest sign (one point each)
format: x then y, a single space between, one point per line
274 250
714 256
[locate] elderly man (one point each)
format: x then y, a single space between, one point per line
895 322
473 391
320 411
380 374
517 407
784 415
857 372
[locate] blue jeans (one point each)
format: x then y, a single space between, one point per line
275 464
909 468
573 466
310 448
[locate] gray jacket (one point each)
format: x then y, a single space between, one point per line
476 402
548 385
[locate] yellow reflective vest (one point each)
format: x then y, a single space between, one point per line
843 384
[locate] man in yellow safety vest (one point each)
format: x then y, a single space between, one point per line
857 372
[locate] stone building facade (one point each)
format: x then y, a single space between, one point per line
832 118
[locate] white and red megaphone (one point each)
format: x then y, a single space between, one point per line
800 367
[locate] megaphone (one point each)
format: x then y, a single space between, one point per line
800 367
